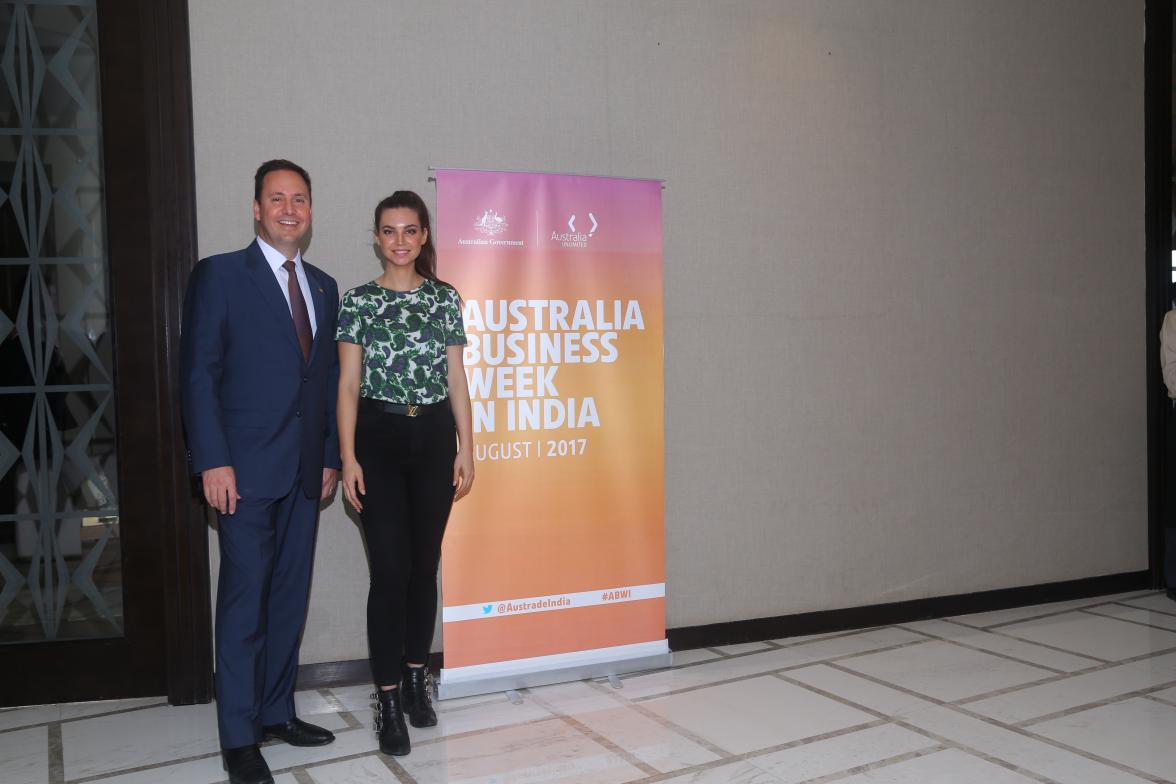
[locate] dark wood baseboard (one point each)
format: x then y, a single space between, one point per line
350 673
344 673
755 629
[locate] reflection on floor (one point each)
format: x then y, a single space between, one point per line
1080 692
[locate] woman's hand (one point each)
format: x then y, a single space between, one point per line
463 474
353 484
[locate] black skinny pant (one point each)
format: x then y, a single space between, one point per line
407 467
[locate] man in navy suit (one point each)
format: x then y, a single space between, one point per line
259 376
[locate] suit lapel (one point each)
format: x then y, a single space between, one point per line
271 292
322 321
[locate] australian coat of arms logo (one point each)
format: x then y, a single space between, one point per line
491 223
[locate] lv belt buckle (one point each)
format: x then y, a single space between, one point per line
413 410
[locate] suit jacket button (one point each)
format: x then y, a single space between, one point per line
297 413
305 379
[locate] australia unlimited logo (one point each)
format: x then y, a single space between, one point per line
575 238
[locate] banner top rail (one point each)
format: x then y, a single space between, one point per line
558 174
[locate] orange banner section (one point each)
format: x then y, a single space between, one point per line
561 281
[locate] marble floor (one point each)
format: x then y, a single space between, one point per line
1078 692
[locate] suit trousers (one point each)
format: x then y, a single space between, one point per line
407 467
267 551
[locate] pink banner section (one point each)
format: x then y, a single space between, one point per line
548 212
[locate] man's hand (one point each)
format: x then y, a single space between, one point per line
330 476
220 489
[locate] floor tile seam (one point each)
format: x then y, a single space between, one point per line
1123 603
998 654
946 742
143 768
1161 700
642 673
881 764
669 724
301 776
701 767
1007 765
750 756
1025 733
939 700
856 654
1055 648
593 735
624 754
181 760
600 687
843 656
769 672
1096 662
882 715
613 693
1089 755
1112 663
1123 697
482 731
886 718
1007 690
460 709
934 702
73 719
349 718
1144 624
1071 675
310 766
398 770
774 642
56 751
1052 613
825 636
767 649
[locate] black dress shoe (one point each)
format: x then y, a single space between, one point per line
1172 594
246 766
297 732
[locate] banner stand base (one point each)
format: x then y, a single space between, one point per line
546 670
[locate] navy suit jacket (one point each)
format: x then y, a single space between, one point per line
249 399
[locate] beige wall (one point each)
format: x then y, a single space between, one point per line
904 258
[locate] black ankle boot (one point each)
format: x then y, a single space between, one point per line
390 727
417 683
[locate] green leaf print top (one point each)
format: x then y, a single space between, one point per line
404 335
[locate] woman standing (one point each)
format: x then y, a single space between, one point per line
407 448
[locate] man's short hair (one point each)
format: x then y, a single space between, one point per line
278 164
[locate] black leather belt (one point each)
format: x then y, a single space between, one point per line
404 409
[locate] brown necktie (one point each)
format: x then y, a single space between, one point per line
298 310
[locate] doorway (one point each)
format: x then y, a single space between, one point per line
103 548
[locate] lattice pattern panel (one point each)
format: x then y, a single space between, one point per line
60 564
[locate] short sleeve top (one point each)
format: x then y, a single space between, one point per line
404 335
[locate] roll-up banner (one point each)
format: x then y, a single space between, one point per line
553 568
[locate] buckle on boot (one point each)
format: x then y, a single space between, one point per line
379 720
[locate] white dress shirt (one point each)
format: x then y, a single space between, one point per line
276 260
